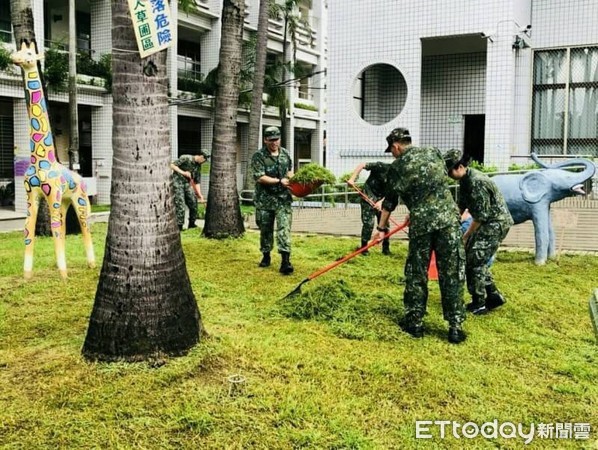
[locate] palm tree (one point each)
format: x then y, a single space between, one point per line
255 114
144 305
73 106
223 214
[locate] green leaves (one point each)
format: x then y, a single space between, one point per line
313 172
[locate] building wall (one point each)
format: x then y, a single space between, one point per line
557 23
452 85
359 37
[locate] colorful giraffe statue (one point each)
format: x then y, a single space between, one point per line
46 177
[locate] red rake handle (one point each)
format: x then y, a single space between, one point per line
356 252
371 203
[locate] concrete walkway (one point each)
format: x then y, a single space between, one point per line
574 223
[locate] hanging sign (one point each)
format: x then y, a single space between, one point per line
153 25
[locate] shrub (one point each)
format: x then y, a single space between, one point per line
56 68
523 166
306 106
481 167
5 61
312 172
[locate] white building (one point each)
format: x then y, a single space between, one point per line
497 78
193 55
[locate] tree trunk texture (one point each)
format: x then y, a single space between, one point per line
73 104
223 214
21 15
255 114
144 306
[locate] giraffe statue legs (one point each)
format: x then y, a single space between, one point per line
57 224
32 208
81 205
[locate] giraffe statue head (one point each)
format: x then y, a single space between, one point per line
27 57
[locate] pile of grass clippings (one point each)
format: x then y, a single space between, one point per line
313 173
350 316
320 303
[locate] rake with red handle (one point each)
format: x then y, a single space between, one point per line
371 202
432 269
345 258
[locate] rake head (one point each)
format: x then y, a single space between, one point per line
295 291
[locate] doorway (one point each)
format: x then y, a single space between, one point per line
473 136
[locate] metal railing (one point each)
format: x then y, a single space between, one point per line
342 195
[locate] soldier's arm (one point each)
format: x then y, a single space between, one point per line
175 168
355 174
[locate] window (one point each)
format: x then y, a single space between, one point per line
379 94
5 24
83 23
565 102
189 60
303 72
6 140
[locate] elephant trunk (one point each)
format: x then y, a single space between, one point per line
577 178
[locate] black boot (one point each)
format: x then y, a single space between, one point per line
494 298
363 244
416 329
386 247
477 306
456 335
265 262
286 268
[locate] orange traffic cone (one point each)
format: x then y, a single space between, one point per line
432 270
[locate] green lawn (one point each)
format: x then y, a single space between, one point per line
346 378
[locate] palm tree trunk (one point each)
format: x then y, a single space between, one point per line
144 305
21 14
255 115
223 214
73 106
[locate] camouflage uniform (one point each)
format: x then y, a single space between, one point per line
418 176
374 189
183 192
480 195
272 202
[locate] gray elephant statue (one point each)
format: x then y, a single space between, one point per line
530 195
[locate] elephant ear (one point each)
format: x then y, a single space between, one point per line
534 186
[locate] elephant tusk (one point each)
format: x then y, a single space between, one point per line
578 188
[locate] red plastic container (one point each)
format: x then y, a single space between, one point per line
303 189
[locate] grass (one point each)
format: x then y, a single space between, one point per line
328 369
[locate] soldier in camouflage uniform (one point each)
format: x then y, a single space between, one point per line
185 169
418 176
374 189
272 167
491 223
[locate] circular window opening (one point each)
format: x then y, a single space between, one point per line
379 93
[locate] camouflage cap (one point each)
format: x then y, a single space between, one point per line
395 135
271 133
452 158
206 153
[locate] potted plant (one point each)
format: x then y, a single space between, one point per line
308 178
